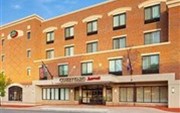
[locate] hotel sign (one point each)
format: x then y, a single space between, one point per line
78 79
72 80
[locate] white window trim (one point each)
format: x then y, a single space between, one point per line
87 42
49 29
91 18
69 24
150 3
120 36
49 49
65 63
119 11
86 61
113 58
153 30
68 45
154 53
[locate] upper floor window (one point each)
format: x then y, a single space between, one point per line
115 66
92 47
87 68
92 27
152 14
119 21
69 51
28 35
49 54
2 58
63 70
2 42
28 53
150 64
28 71
152 37
69 32
50 37
119 43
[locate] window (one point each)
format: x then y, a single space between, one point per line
69 51
115 66
69 32
150 64
63 70
28 71
152 14
153 37
87 68
2 58
50 37
119 43
92 27
92 47
55 94
28 35
109 94
76 94
154 94
28 53
119 21
126 94
2 42
49 54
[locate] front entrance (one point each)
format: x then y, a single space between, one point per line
15 93
92 95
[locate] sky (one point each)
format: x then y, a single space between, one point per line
11 10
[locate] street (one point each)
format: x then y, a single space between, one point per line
47 109
34 111
42 111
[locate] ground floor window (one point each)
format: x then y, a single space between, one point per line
15 93
55 94
76 94
144 94
152 94
126 94
109 94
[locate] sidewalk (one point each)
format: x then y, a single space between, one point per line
96 109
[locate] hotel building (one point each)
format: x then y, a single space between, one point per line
119 52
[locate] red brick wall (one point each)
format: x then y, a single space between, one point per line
15 51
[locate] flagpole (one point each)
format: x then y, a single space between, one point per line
47 70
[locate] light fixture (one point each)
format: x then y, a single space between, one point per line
172 90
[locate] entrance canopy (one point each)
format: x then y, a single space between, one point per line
78 80
104 79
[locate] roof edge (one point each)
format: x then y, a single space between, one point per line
82 9
33 16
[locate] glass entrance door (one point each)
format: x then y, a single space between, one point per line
92 95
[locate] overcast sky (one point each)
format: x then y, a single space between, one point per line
11 10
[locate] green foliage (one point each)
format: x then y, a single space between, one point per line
4 82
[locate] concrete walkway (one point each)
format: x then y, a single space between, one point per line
96 109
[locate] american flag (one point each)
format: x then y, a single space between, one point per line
44 72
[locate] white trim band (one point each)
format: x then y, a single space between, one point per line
69 24
119 11
49 29
154 53
91 18
150 3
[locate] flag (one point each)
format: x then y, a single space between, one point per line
44 72
128 64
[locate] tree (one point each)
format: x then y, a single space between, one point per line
4 82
